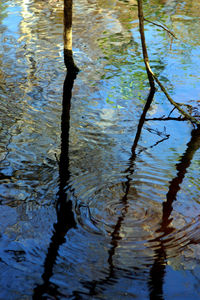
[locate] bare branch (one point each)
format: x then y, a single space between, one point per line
166 119
178 107
144 48
162 26
171 111
151 74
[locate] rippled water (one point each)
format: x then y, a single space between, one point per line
88 211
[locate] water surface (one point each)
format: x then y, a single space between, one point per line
87 211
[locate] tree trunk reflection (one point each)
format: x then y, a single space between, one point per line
65 215
157 272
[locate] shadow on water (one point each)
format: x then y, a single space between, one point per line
157 271
65 215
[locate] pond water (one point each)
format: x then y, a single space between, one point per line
97 203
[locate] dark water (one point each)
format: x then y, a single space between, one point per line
95 202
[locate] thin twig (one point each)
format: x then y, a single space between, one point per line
171 111
166 119
162 26
154 145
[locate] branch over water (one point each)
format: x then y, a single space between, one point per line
151 76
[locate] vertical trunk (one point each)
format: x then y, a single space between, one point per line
68 25
68 54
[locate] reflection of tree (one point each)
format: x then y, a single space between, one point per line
157 272
65 216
